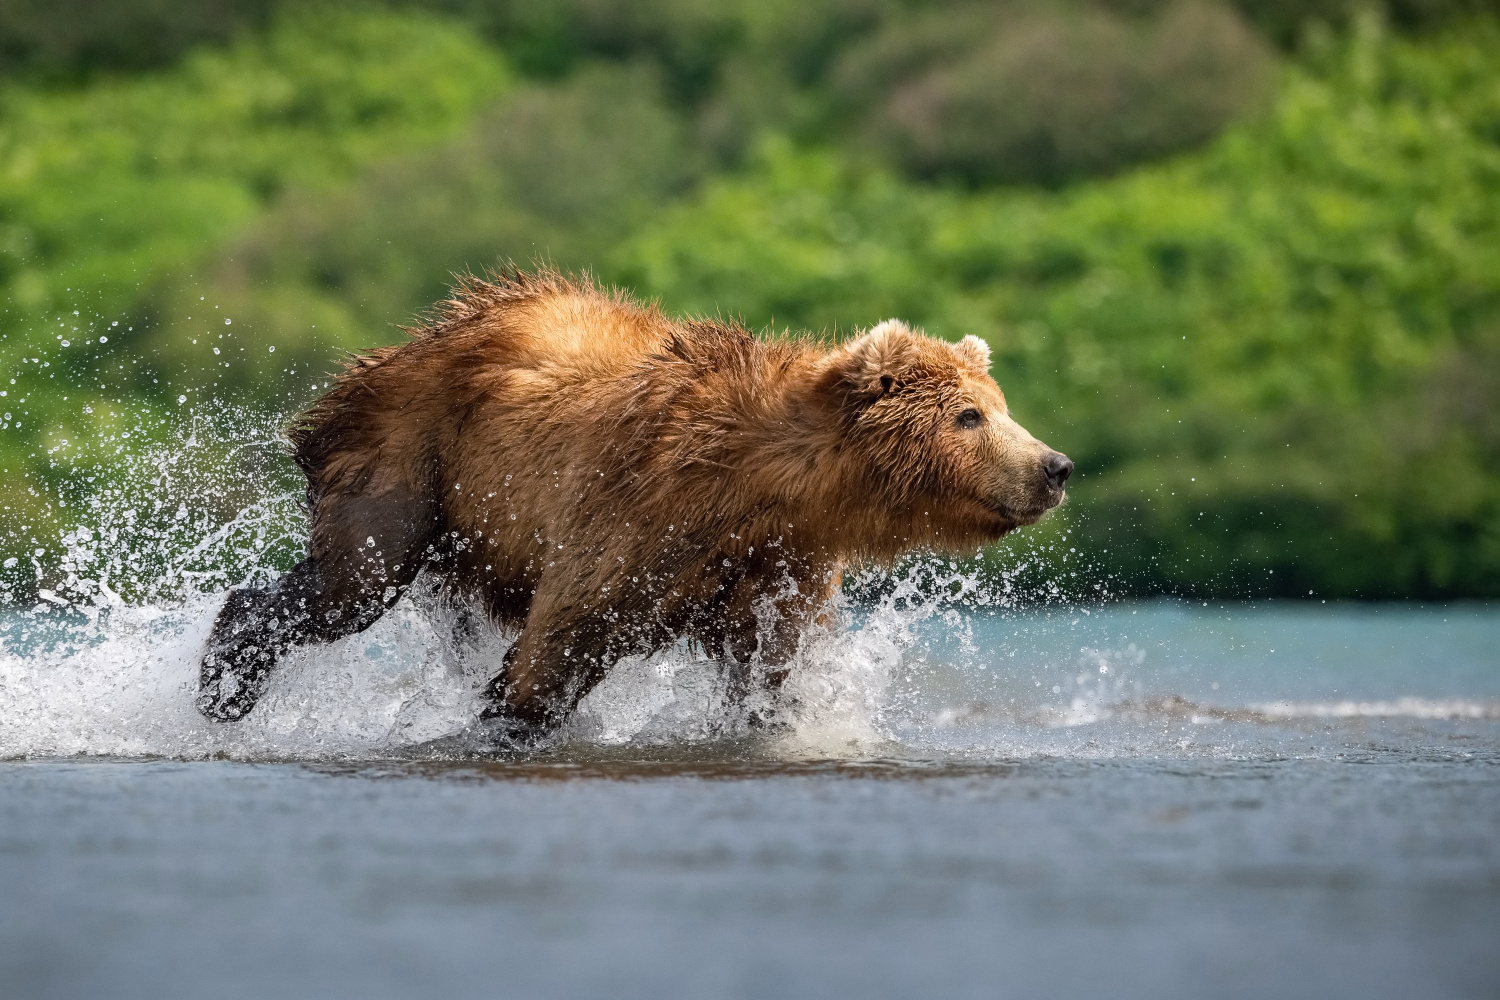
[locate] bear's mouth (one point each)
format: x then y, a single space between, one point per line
1020 517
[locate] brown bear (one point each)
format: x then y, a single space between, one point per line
605 481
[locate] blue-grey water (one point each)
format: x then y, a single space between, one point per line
1154 799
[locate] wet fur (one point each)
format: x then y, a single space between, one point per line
606 481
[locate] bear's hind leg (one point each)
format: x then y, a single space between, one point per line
368 552
250 633
255 628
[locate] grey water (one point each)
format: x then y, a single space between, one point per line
1147 799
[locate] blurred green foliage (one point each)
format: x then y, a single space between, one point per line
73 40
1268 329
1049 96
559 173
109 190
694 41
109 186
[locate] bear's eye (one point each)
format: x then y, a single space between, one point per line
970 419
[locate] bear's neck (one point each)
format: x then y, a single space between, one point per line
794 465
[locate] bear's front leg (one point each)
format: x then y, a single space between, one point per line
765 620
546 673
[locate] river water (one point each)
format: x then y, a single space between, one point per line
962 798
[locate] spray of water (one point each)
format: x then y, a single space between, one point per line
103 621
106 623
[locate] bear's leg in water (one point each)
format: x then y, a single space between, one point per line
251 631
763 629
365 559
547 672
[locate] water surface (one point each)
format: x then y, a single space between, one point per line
1154 799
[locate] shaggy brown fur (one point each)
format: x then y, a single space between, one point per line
607 481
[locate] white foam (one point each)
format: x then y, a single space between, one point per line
122 683
1394 708
128 691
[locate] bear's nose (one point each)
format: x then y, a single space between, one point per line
1057 467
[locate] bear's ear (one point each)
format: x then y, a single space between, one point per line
871 366
973 353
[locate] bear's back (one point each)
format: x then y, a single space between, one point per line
576 325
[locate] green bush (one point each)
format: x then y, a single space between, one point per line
1054 94
128 179
1286 22
690 41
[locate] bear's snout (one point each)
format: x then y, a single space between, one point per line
1057 467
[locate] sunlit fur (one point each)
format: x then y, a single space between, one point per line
607 480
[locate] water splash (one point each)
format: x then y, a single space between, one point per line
102 658
99 649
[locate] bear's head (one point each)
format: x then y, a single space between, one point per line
934 431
